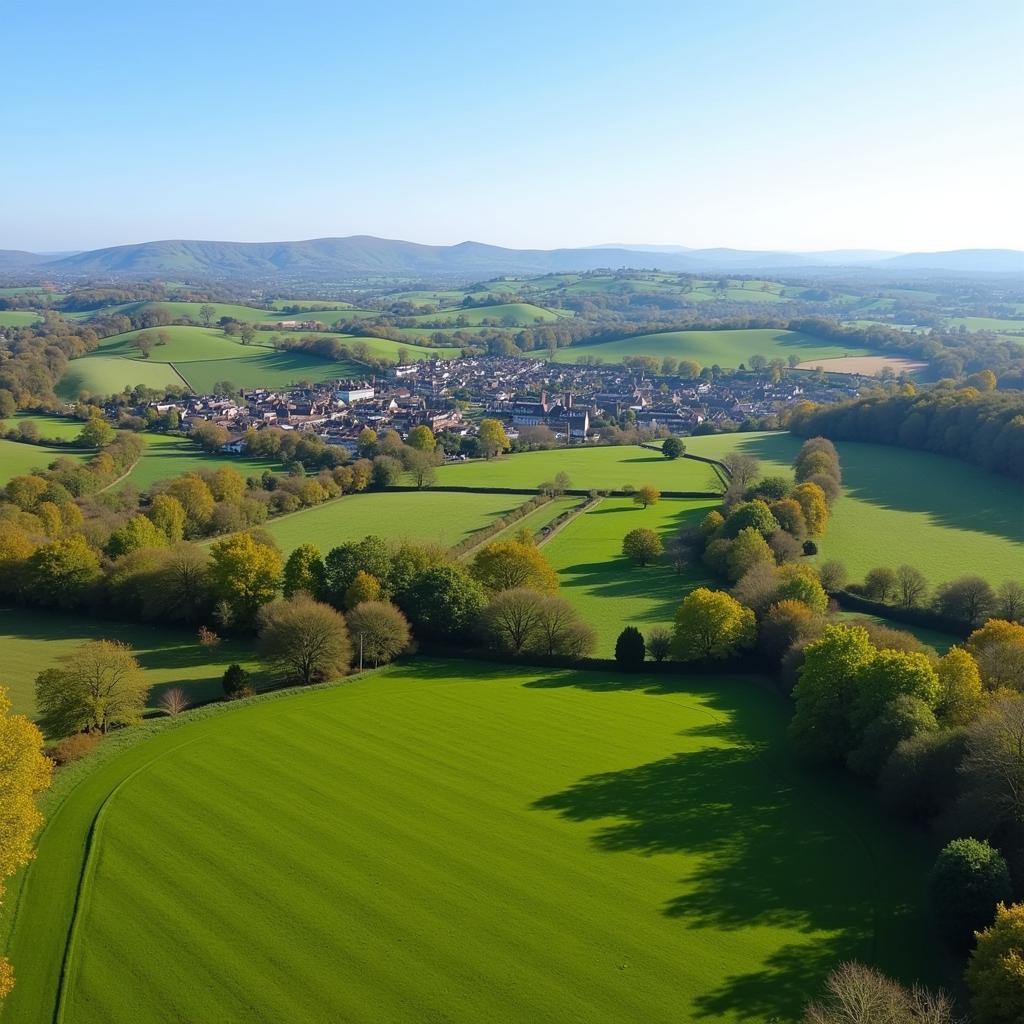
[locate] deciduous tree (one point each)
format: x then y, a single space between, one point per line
24 773
304 640
244 573
711 624
381 629
642 545
102 686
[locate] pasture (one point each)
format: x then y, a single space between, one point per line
17 458
49 427
512 314
32 640
988 323
167 456
943 516
19 317
110 375
709 348
439 517
463 842
196 358
594 468
609 591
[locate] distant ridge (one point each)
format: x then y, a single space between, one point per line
366 255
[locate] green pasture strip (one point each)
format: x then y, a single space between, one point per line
466 842
589 468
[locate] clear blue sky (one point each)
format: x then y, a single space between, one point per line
799 125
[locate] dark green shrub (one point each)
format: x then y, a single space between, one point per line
630 648
968 880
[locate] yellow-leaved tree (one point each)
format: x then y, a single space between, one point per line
24 772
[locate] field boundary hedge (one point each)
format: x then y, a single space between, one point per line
474 540
908 616
575 492
560 522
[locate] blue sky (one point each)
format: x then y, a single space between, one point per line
748 124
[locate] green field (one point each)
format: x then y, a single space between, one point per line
197 357
31 641
520 314
186 345
987 323
17 458
18 317
724 348
608 590
441 517
943 516
60 427
110 375
599 468
462 843
167 456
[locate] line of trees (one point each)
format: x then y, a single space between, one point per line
980 426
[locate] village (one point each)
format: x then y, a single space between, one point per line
576 404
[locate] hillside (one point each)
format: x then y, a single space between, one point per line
366 255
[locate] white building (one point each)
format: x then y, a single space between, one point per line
360 393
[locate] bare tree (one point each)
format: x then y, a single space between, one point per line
173 701
856 994
743 469
993 767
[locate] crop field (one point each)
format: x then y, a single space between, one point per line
597 468
943 516
462 842
724 348
868 365
441 517
17 458
167 456
608 590
521 314
31 641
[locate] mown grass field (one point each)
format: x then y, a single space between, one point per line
32 640
597 468
609 591
708 348
439 517
17 458
462 843
943 516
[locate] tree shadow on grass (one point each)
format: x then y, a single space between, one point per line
953 493
765 848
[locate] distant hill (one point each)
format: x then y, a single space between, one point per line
365 255
989 261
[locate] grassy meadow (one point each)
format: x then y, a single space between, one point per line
17 458
32 640
167 456
593 468
462 842
442 517
519 314
198 358
19 317
60 427
608 590
708 348
943 516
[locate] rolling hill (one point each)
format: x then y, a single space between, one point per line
366 255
